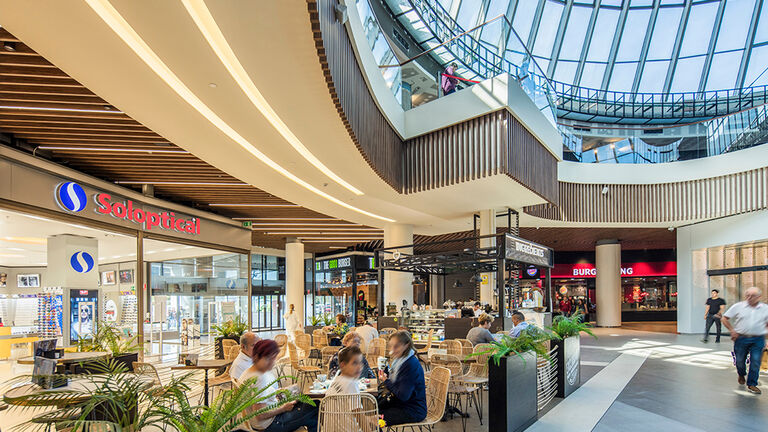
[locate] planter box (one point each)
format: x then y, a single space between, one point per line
127 360
309 329
219 349
568 365
513 404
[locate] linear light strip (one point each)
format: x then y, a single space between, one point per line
59 109
120 26
112 149
252 205
212 33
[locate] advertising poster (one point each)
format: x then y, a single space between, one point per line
83 313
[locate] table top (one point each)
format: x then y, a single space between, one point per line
11 396
204 364
319 394
70 357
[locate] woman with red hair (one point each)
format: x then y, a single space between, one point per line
288 417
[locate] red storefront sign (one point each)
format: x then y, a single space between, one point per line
641 269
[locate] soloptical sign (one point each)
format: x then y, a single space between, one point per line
72 198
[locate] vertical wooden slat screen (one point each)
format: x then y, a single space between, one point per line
659 203
374 137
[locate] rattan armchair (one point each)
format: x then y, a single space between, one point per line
437 396
319 338
302 372
460 393
348 413
326 353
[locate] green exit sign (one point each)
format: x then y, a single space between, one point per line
246 224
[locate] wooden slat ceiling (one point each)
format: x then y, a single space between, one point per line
58 118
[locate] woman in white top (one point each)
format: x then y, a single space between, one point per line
291 321
288 417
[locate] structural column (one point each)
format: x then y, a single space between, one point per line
397 285
487 227
608 283
294 276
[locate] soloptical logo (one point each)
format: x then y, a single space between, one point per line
81 262
231 284
71 197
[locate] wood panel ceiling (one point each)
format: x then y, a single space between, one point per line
46 111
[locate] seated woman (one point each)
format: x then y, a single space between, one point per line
404 378
288 417
350 339
481 334
338 331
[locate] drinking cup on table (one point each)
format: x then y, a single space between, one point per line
322 377
382 362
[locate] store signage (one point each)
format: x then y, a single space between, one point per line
81 262
642 269
532 271
521 250
71 197
333 264
231 284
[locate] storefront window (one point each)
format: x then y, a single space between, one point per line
268 299
639 294
734 268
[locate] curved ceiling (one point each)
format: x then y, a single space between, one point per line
646 46
239 85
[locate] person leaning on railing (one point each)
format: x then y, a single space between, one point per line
402 398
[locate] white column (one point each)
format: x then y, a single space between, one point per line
294 277
487 227
397 285
608 283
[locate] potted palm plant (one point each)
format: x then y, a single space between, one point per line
568 345
512 378
230 329
108 337
315 322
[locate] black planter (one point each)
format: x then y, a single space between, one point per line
127 360
310 329
568 365
219 348
512 405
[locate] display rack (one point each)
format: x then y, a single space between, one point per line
128 312
49 313
420 322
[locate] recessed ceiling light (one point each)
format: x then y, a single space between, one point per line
212 85
9 46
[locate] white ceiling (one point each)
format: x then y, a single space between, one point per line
23 242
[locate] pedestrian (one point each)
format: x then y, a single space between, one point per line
448 81
715 306
748 323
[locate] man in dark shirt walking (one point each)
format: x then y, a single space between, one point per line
715 309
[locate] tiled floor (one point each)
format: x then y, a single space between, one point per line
681 384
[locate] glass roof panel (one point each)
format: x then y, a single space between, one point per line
623 76
593 75
575 32
468 12
632 38
523 19
687 74
761 35
605 28
757 73
735 25
545 37
698 30
664 32
722 74
653 76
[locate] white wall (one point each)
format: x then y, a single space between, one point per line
692 241
12 272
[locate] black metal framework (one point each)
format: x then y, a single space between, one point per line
502 254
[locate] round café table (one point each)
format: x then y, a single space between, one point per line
205 365
69 358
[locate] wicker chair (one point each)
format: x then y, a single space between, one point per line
226 344
466 347
437 396
452 347
352 412
233 352
302 372
297 332
148 372
326 353
304 343
429 342
458 390
319 338
377 348
387 331
477 375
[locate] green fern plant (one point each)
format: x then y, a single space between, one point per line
108 337
329 319
566 327
316 320
233 328
229 409
531 339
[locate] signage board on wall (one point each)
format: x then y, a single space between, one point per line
641 269
524 251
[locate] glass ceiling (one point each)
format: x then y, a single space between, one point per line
645 46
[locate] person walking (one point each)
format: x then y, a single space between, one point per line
448 81
291 321
748 323
713 314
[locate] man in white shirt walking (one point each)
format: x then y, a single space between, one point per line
367 333
748 323
243 360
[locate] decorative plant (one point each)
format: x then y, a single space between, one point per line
531 338
110 393
231 328
229 409
329 319
108 338
566 327
316 320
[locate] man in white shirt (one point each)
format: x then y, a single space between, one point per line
477 309
519 322
243 360
367 334
748 323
